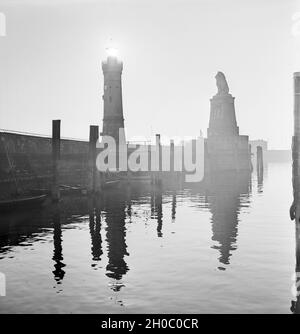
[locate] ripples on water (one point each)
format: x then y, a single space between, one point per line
224 246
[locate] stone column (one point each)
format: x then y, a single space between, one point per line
295 208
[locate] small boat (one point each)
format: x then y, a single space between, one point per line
24 202
66 189
141 178
111 184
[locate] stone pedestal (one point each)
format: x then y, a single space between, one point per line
225 148
222 116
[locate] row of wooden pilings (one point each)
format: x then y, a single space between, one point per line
94 181
95 178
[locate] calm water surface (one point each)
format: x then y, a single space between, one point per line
226 246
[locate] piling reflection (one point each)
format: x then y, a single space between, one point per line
58 271
260 180
174 203
129 203
156 207
224 192
95 228
294 215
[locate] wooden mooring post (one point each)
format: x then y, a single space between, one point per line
259 159
172 156
93 174
159 174
55 192
250 158
182 174
157 163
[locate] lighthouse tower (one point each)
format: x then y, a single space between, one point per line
113 120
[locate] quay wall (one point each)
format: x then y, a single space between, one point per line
31 157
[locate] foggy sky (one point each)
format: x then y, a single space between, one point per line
50 64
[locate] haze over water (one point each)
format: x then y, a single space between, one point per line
221 247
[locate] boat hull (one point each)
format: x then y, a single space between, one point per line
22 203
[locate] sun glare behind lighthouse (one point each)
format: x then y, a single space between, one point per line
112 52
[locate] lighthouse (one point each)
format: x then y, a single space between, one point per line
113 120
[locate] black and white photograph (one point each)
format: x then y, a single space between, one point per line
149 159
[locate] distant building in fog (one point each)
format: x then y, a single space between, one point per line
279 155
270 155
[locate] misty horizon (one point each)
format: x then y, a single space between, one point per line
170 52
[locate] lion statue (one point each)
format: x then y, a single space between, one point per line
222 83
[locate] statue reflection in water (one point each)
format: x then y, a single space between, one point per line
224 198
